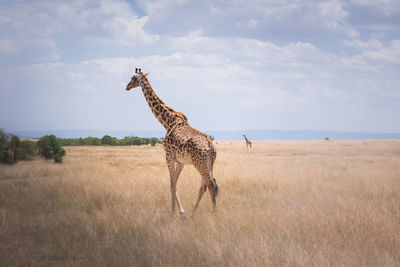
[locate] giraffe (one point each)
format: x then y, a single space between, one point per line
182 145
248 142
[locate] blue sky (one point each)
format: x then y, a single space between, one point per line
228 65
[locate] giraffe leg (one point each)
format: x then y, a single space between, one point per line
212 189
178 170
202 190
204 166
173 198
171 168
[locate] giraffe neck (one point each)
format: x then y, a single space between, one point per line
164 114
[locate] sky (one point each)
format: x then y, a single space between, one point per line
228 65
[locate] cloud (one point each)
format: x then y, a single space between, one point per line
39 27
246 18
390 54
380 15
226 65
375 50
358 44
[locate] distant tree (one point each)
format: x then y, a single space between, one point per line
92 141
107 140
14 142
136 141
21 150
127 141
3 142
154 141
211 137
14 145
28 149
115 141
81 141
50 148
145 141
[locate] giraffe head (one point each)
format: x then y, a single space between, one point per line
136 79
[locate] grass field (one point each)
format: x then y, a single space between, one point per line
282 203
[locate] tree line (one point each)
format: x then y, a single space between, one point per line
111 141
12 149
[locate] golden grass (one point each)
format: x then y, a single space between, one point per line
282 203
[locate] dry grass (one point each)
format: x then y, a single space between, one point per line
282 203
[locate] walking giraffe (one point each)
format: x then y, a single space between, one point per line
248 142
182 144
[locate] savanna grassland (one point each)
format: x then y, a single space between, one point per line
282 203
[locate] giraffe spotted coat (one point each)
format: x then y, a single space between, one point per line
182 144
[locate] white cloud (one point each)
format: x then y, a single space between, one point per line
361 45
126 31
389 54
49 25
247 77
247 18
353 33
331 13
375 50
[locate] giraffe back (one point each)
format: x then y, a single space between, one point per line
189 144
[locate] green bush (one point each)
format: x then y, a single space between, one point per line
29 149
14 145
3 142
107 140
50 148
14 142
153 141
23 150
92 141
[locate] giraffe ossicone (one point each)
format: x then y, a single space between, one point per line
182 144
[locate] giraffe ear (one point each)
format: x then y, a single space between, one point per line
146 74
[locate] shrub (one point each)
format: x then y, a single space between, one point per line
28 149
23 150
50 148
107 140
14 145
14 142
92 141
153 141
3 143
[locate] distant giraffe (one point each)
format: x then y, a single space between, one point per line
248 142
182 144
10 156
